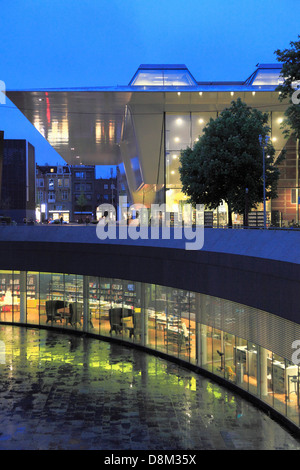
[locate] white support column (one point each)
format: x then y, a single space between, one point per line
263 372
203 345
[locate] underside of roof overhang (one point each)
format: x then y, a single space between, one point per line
86 125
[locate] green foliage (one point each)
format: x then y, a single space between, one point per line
228 158
291 73
81 201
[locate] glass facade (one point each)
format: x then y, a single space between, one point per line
243 345
184 129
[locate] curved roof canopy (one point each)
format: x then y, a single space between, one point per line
86 125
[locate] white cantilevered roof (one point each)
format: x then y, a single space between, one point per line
88 122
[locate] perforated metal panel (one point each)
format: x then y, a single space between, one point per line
262 328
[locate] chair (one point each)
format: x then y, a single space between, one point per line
137 325
115 318
76 312
51 309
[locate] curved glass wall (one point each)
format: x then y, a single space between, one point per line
245 346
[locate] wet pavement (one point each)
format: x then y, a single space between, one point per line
64 392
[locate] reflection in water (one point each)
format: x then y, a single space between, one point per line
60 391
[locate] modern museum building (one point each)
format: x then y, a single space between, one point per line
230 309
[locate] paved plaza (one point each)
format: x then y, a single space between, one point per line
66 392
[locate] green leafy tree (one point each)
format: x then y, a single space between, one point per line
227 159
291 75
81 201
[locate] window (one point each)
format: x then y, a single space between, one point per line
66 182
51 183
41 183
80 174
268 77
106 186
293 196
65 195
51 196
60 182
177 76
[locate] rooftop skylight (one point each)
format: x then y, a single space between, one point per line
163 75
267 75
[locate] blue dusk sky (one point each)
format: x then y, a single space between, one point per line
75 43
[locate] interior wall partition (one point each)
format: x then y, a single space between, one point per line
244 346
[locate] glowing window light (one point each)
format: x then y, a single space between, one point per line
111 130
98 131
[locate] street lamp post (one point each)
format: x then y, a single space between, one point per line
264 142
246 208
